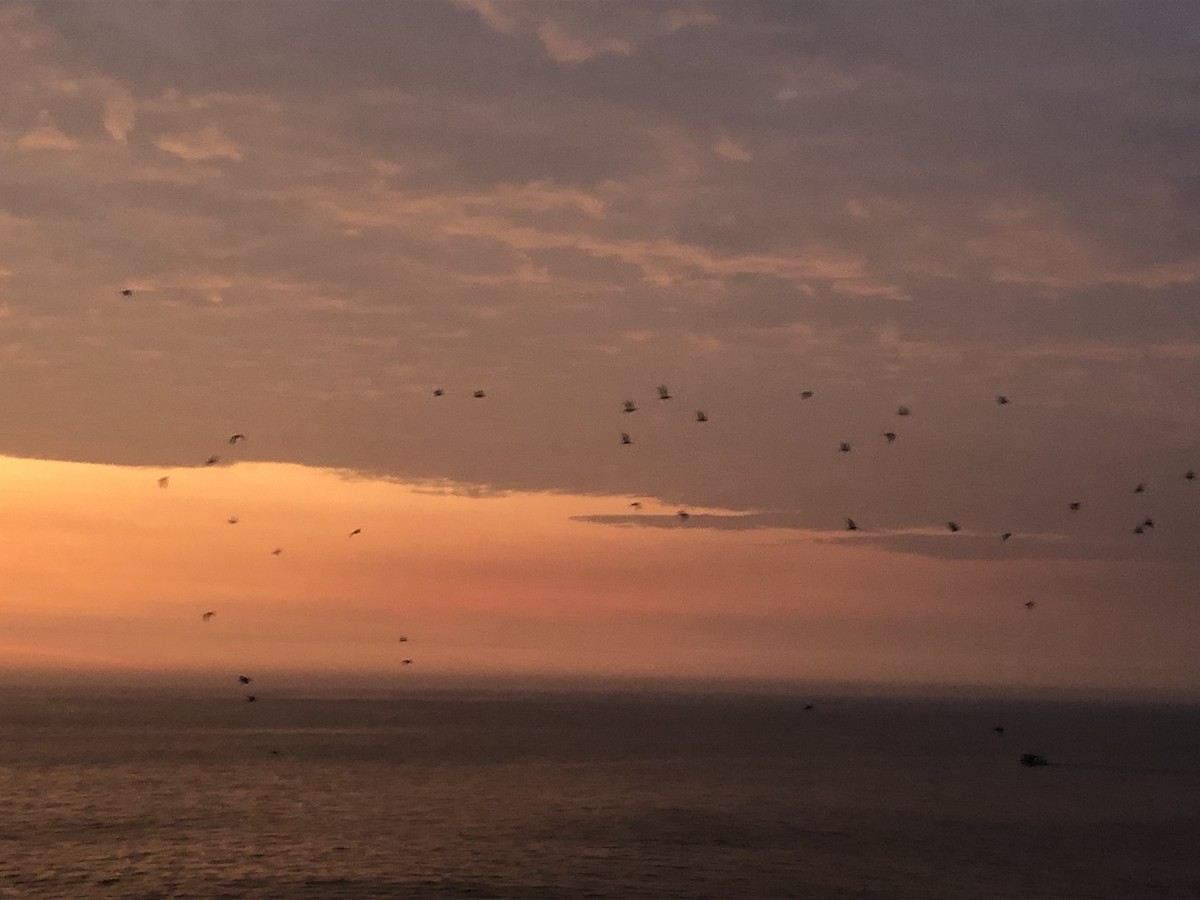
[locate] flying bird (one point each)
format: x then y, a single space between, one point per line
1002 400
250 698
1189 475
999 729
851 525
406 662
277 551
636 504
403 639
663 392
212 460
700 416
683 516
208 615
808 707
953 526
232 520
244 679
354 532
1141 488
127 292
1074 506
903 411
479 395
1029 604
164 481
625 438
630 406
1006 536
437 392
844 447
890 435
234 438
1139 530
806 395
1148 523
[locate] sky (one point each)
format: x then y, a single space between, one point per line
324 211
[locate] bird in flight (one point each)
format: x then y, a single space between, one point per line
851 525
683 516
233 520
208 615
844 447
1029 604
953 526
127 292
1139 530
999 729
244 679
1074 506
406 662
437 392
1002 400
1148 522
630 406
479 395
904 411
625 438
212 460
234 438
403 639
250 698
1006 536
1141 488
354 532
277 551
1189 475
663 392
890 435
636 504
806 395
164 481
701 416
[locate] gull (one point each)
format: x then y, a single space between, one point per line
479 395
630 406
1002 400
354 532
1189 475
843 447
437 392
663 392
164 481
232 520
1141 488
406 662
625 438
903 411
244 679
851 525
208 615
806 395
953 526
890 435
1006 536
127 292
683 516
1029 604
277 551
1074 506
234 438
636 504
700 416
212 460
403 639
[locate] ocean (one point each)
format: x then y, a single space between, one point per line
142 794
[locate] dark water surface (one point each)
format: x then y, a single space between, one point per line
589 795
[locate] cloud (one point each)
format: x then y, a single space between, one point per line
45 135
206 143
120 112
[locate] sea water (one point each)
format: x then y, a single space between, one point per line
527 794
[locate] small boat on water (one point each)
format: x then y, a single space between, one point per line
1033 759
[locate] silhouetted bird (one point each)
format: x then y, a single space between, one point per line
127 293
479 395
1140 489
232 520
630 406
1029 604
208 615
437 392
212 460
354 532
663 392
953 526
406 662
1006 536
890 435
636 504
164 481
1074 506
250 698
700 416
851 525
683 516
1139 530
1002 400
903 411
807 707
999 729
244 679
625 438
276 551
1189 475
403 639
234 438
1148 523
806 395
844 447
